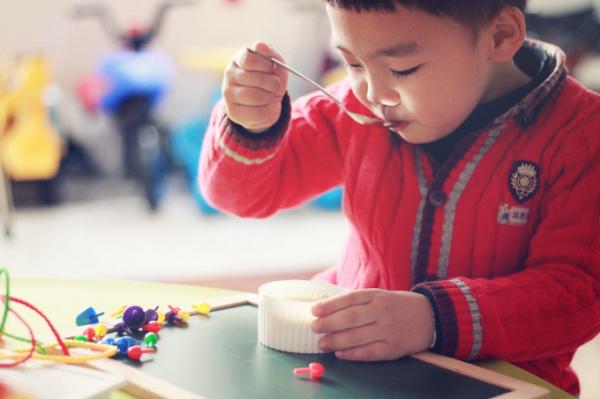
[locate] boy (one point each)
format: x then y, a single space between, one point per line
474 219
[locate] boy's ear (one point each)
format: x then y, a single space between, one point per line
507 33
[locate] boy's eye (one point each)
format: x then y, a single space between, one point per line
406 72
353 66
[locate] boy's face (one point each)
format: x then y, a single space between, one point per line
424 73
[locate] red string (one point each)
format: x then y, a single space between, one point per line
31 350
65 350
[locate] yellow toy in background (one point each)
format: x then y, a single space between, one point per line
30 147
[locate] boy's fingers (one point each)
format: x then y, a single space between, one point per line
265 49
350 338
351 317
249 96
374 351
269 82
341 301
252 62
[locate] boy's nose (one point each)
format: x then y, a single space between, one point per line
382 93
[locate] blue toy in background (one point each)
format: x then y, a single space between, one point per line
186 142
147 74
330 200
129 86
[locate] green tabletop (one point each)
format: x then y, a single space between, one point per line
62 299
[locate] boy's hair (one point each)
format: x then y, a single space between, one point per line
472 13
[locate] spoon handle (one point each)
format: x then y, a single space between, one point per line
299 74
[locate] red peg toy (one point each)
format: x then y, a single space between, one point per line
316 370
152 326
135 352
90 333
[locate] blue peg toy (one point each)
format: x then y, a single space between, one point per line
88 316
124 343
108 341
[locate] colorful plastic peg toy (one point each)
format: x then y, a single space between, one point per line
202 308
135 352
315 370
120 328
134 317
87 316
151 314
124 343
161 317
108 341
183 315
152 326
90 334
151 339
101 330
119 312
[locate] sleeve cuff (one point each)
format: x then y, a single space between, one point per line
458 324
252 148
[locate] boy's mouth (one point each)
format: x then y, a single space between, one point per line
397 126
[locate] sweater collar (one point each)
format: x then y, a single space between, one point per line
527 110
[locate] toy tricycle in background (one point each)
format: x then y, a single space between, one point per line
129 86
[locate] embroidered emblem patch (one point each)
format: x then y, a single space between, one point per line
512 215
523 180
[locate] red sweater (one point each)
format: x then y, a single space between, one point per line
503 238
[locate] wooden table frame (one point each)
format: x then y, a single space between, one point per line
141 384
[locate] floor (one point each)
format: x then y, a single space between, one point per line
103 231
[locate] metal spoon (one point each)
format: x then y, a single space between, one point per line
360 118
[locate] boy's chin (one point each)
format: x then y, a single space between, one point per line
412 137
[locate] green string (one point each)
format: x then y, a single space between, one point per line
4 275
5 310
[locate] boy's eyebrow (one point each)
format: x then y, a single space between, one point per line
398 50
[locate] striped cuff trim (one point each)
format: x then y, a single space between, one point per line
239 157
458 321
476 325
250 148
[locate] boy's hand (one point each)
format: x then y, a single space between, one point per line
373 324
253 88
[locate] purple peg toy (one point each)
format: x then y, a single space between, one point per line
134 317
151 315
171 318
120 328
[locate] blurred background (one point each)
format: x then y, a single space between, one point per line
103 106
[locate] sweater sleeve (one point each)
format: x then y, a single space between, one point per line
552 306
255 175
